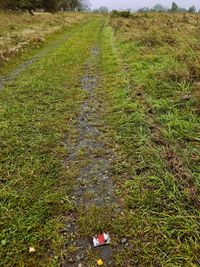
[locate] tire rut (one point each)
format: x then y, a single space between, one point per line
10 77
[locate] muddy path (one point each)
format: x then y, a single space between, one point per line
94 184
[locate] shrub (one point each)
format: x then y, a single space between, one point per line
124 14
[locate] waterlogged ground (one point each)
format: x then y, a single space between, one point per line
79 157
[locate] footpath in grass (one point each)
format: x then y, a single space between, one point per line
21 31
35 183
87 147
155 221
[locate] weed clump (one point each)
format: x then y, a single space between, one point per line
123 14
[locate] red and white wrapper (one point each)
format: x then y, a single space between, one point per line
101 240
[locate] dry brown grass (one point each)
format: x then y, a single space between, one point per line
167 47
176 36
142 25
18 31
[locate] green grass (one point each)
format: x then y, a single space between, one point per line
35 113
156 137
21 31
147 98
50 43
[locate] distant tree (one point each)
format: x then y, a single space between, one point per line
192 9
123 13
103 9
143 10
159 8
84 5
9 4
47 5
174 8
182 10
68 5
20 5
96 10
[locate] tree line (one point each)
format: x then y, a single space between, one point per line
174 8
46 5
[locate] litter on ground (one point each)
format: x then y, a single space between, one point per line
31 249
100 262
101 240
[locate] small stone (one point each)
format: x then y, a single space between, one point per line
82 257
71 260
78 257
124 240
80 265
131 246
186 97
31 250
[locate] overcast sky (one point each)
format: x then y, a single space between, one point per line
133 4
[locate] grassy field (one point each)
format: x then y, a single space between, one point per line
141 101
17 32
159 134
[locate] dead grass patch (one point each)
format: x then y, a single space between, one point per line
18 31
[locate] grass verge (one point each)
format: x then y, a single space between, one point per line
154 168
36 111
